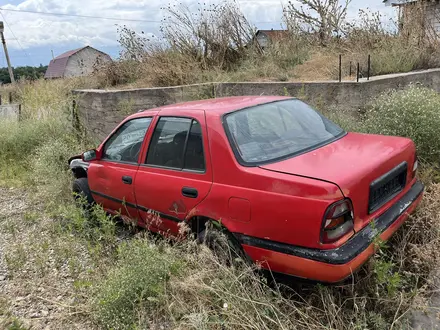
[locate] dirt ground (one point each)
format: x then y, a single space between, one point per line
36 289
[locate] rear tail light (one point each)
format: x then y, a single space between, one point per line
416 163
338 221
415 166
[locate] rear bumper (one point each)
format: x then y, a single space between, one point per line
336 264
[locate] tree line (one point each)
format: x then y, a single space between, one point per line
23 72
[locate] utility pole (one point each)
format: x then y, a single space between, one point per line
11 73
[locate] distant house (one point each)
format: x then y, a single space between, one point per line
419 18
263 38
79 62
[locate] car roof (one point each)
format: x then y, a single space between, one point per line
222 105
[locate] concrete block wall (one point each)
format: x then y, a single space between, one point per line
10 112
99 111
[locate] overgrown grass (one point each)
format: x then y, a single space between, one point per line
135 290
206 294
35 150
46 99
117 281
19 141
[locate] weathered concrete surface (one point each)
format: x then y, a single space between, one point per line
345 95
100 111
10 112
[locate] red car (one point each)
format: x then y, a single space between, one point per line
293 190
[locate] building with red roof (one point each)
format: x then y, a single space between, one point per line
78 62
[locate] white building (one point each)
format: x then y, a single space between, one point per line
79 62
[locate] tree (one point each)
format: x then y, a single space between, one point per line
23 72
321 17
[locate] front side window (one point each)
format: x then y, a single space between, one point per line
125 145
277 130
177 143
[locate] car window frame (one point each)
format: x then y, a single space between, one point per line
242 162
137 163
192 119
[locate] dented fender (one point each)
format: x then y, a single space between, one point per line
78 166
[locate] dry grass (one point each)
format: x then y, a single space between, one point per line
78 273
281 62
43 99
200 47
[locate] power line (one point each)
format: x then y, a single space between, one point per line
18 41
101 17
82 16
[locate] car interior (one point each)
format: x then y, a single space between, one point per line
170 154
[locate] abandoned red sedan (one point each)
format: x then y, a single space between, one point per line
294 191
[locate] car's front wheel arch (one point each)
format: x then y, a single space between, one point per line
82 192
79 172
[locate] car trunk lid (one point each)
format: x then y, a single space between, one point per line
369 169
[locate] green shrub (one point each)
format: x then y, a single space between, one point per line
136 285
414 113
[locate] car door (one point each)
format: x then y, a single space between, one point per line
111 178
176 174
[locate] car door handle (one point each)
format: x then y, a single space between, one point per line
127 179
190 192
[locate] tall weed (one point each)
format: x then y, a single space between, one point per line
19 140
48 99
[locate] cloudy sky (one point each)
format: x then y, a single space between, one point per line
32 37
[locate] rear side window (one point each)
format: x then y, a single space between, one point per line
194 157
177 143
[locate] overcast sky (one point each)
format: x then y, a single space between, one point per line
32 37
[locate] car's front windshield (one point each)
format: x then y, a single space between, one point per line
277 130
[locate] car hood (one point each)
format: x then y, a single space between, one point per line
351 162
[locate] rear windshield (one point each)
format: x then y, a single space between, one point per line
278 130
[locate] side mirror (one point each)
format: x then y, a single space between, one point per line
89 155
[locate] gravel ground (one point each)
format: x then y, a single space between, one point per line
428 317
36 289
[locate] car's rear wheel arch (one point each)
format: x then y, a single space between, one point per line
199 228
197 224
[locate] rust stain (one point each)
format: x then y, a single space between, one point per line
177 207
